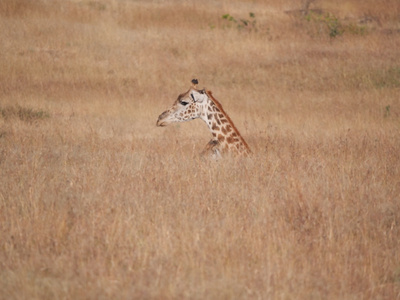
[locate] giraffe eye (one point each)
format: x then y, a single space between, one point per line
184 103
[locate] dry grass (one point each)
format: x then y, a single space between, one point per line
98 203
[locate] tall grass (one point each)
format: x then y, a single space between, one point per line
98 203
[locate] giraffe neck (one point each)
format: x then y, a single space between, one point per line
224 132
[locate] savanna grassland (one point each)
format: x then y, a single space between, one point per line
96 202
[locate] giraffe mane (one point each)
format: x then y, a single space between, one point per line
217 104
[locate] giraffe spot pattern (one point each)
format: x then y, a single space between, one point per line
215 127
229 139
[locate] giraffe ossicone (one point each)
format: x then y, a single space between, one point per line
201 104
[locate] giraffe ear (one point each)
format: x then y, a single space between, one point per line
198 97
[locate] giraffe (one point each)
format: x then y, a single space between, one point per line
201 104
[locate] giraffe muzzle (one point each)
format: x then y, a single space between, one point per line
160 124
161 119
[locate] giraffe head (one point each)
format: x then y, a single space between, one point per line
201 104
187 107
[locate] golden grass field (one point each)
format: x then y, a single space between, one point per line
96 202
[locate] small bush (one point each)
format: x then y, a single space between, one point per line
23 113
329 21
240 24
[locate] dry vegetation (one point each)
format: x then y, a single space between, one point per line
98 203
